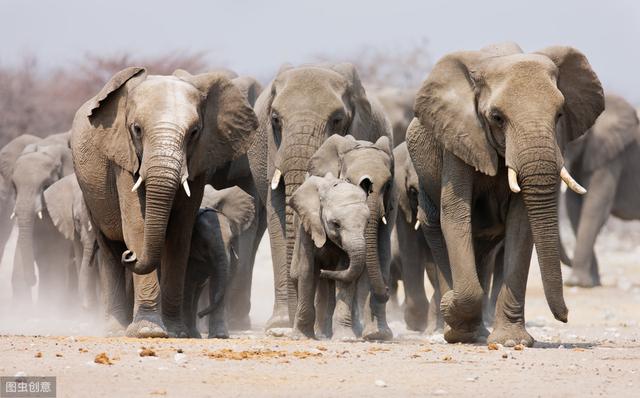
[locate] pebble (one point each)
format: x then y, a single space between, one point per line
380 383
440 392
180 358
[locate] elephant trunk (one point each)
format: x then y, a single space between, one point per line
374 272
539 174
85 275
356 250
26 214
162 168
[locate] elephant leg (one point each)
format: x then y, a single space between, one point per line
217 294
308 275
239 290
175 256
147 321
375 312
413 258
496 284
116 301
435 322
343 323
509 325
596 209
323 326
192 291
276 222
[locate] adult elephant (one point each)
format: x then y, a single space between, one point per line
69 214
607 160
485 118
134 145
297 112
37 168
398 106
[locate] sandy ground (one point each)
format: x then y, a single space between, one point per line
597 353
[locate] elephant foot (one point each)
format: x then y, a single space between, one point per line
471 333
218 330
376 332
176 329
463 318
433 326
343 333
240 323
580 279
147 324
510 335
114 328
279 319
194 333
415 320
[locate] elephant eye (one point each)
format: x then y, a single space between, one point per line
558 116
413 191
136 130
497 117
276 125
194 133
335 224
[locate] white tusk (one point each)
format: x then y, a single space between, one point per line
137 184
276 179
185 185
415 227
384 220
513 180
40 215
233 251
89 227
571 183
12 216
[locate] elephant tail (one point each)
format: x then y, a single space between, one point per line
564 257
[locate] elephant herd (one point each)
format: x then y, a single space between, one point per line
165 186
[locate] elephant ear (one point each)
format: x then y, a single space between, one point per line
234 203
228 118
446 107
328 158
106 113
59 201
12 151
305 201
364 123
400 175
249 87
583 94
615 129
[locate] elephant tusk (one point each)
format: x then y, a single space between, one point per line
185 185
513 180
137 184
276 179
40 215
415 227
384 220
571 183
89 227
233 251
12 216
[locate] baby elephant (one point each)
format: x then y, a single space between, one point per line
330 243
223 216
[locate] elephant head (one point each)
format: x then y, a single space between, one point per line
333 209
69 214
234 204
37 168
405 180
499 106
370 166
166 131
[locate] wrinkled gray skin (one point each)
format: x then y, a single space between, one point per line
222 219
479 113
332 215
410 254
238 173
297 112
398 106
69 214
607 161
37 168
364 163
165 134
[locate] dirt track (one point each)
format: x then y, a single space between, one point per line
596 353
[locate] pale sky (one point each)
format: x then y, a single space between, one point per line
255 37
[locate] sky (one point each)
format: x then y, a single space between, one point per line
255 37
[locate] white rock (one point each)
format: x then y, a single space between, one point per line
180 358
440 392
380 383
472 379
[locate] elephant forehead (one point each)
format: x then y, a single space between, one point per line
162 93
343 193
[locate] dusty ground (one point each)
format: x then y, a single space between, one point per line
596 353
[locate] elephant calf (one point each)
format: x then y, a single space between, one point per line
223 216
330 243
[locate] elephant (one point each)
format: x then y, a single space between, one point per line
224 215
410 254
69 214
487 145
35 170
135 145
398 106
605 159
371 164
297 112
332 217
